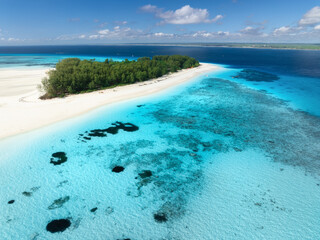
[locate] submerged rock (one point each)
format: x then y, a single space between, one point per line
58 203
256 76
114 129
160 217
145 174
117 169
27 194
96 133
58 158
94 209
58 225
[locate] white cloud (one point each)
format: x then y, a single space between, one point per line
94 36
117 33
2 39
69 37
161 34
317 27
202 34
205 34
282 30
104 32
252 30
149 8
13 39
246 29
183 15
312 17
221 33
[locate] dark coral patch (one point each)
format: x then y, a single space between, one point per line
94 209
58 158
114 129
11 201
256 76
58 225
145 174
58 203
160 217
97 133
117 169
27 194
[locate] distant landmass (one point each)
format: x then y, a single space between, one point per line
294 46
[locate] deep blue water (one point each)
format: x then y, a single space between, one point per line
288 62
219 157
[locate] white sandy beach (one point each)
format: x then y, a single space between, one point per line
21 110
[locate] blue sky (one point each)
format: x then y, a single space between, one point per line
139 21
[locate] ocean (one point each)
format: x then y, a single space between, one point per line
233 154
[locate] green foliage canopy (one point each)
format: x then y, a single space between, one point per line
73 75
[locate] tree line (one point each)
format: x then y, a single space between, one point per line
73 75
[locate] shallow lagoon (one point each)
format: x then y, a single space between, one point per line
226 162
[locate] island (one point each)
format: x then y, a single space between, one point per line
73 75
23 110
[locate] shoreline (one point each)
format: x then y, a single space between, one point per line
24 111
216 46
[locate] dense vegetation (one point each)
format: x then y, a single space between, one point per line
73 75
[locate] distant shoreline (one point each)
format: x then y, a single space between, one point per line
244 46
270 46
23 111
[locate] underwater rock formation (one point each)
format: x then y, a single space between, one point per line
27 194
58 203
114 129
117 169
256 76
58 225
145 174
93 209
58 158
160 217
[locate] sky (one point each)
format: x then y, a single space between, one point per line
52 22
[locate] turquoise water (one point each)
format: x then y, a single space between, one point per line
301 93
210 159
45 60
